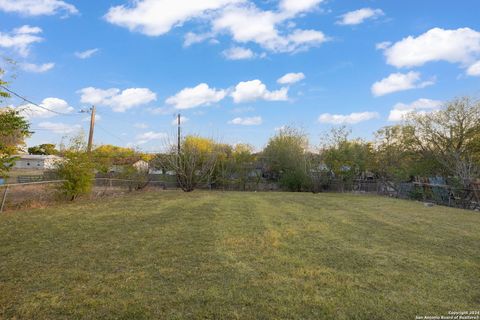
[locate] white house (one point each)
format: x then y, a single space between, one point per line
141 165
36 162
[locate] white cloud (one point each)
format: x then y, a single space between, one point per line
383 45
183 120
58 127
238 53
474 69
155 18
150 136
399 82
294 7
37 68
352 118
54 104
246 91
359 16
291 78
27 29
252 121
37 7
20 39
455 46
247 23
118 100
86 54
201 95
400 110
304 39
242 19
192 38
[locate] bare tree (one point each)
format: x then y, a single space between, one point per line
194 163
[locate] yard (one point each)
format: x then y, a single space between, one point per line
172 255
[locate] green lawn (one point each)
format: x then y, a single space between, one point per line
171 255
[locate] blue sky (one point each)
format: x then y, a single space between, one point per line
219 63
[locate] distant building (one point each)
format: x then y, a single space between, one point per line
119 165
36 162
141 166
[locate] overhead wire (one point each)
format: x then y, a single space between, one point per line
33 103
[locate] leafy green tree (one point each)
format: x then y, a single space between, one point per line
286 159
76 169
346 159
449 137
43 149
105 156
14 129
243 163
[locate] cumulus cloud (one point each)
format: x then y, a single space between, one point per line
37 7
20 39
201 95
294 7
54 104
248 23
359 16
238 53
246 91
118 100
150 136
351 118
155 18
400 110
86 54
455 46
474 69
249 121
241 19
59 128
291 78
399 82
37 68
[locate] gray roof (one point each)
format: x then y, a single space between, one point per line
37 157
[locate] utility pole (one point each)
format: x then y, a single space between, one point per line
178 133
92 126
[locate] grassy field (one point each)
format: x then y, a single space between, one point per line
171 255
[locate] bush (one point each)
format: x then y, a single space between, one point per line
296 180
77 169
138 179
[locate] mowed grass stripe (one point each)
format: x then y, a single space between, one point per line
239 255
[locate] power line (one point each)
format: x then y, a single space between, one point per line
31 102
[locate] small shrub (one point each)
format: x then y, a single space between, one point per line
77 171
295 180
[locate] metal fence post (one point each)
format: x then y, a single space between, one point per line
4 198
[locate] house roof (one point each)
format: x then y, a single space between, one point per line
37 157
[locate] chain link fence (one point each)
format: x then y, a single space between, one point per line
41 194
37 192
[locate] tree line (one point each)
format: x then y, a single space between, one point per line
443 143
